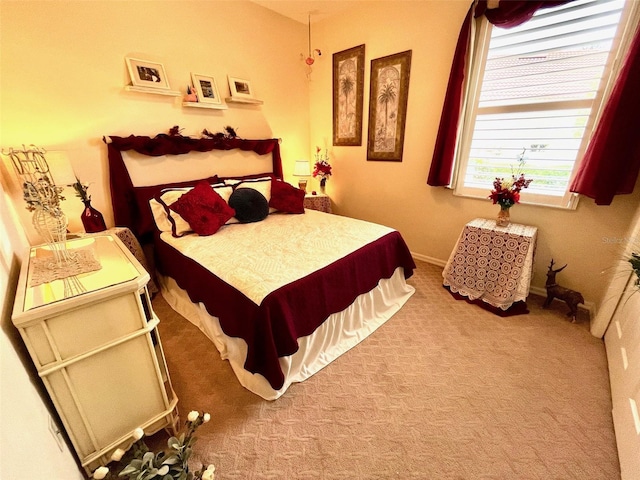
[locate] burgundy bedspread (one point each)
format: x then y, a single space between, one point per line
272 328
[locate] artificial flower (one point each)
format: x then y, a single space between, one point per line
209 473
81 190
100 473
193 416
171 464
322 167
117 455
506 193
206 417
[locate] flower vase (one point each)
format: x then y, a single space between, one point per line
92 219
323 185
504 218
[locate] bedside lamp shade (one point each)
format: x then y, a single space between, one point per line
60 168
302 169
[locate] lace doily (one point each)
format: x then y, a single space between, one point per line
45 269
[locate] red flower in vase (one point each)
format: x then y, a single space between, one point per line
322 167
507 193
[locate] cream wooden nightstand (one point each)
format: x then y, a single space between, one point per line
94 341
320 201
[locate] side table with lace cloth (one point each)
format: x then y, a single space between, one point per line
493 264
133 245
320 202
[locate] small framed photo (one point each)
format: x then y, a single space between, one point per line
206 88
240 88
144 73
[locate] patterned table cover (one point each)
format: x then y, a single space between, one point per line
492 263
320 202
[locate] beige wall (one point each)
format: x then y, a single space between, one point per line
396 194
62 73
63 78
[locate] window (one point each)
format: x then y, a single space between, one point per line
534 94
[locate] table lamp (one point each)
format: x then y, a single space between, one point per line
302 169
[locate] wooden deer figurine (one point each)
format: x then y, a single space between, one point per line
570 297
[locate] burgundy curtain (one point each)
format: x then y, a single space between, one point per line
612 160
508 14
444 150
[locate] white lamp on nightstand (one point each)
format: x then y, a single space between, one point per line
302 169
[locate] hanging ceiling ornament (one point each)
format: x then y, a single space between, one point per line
310 59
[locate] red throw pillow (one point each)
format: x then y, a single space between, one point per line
203 208
286 197
144 223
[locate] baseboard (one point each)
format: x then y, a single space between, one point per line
590 307
431 260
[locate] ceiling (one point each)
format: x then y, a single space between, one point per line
299 10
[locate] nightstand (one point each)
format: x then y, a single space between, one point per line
94 341
127 237
491 263
320 201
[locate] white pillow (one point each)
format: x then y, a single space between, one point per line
262 185
161 214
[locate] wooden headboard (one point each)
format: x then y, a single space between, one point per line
139 167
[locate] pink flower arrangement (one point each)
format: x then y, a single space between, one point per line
507 193
322 168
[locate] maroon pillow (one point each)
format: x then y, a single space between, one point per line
203 208
145 225
286 197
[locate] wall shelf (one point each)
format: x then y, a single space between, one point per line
251 101
156 91
217 106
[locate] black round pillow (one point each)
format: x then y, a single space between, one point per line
250 205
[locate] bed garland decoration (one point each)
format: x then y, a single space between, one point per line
126 210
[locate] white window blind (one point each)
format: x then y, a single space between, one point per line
539 92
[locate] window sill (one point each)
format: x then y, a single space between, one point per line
526 199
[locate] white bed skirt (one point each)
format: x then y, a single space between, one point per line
339 333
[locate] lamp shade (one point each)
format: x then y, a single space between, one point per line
302 168
60 168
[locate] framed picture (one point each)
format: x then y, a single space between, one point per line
206 89
348 88
240 88
388 106
144 73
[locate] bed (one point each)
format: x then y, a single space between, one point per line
280 298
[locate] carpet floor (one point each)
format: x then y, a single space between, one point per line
443 390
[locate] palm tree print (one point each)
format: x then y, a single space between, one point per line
346 87
387 96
